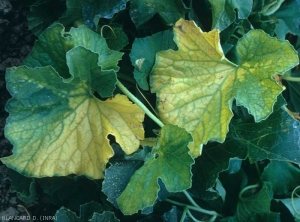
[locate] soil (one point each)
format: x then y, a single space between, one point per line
16 42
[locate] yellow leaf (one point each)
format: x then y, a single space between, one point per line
196 85
58 127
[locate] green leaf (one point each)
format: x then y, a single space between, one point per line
270 138
288 16
23 186
143 54
143 10
169 161
283 176
73 12
59 128
54 43
50 49
224 12
95 9
86 212
101 81
293 206
171 215
104 217
215 158
107 58
70 192
115 37
117 177
266 23
258 203
196 85
42 13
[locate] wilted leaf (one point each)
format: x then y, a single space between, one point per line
168 161
143 54
143 10
196 85
59 128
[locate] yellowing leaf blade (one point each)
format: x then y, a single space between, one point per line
196 85
58 127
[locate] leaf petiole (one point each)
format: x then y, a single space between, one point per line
199 209
292 79
139 103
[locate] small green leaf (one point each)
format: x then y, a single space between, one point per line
103 82
116 38
283 176
24 186
70 192
50 50
95 9
86 212
143 54
42 13
171 215
259 203
73 12
224 12
288 16
107 58
106 216
168 161
293 206
196 85
143 10
215 159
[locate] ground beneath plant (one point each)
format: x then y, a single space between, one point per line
15 43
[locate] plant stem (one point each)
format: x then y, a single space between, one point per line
199 209
190 198
291 78
183 214
139 103
191 216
